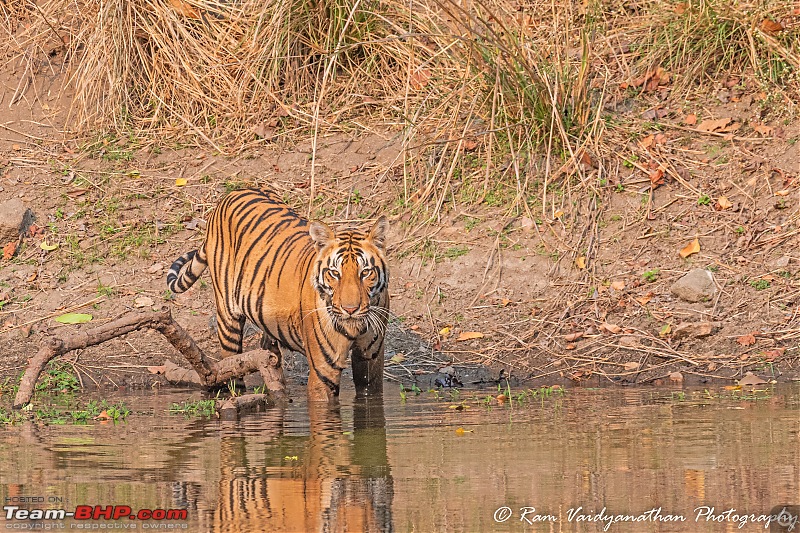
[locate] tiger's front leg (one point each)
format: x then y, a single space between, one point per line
326 360
367 362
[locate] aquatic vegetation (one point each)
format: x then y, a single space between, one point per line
205 408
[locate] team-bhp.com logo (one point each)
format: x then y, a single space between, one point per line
94 512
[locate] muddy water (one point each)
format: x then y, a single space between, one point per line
408 466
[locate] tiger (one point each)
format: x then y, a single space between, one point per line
309 287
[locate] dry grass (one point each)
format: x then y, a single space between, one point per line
496 101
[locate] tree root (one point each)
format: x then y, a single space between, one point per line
205 373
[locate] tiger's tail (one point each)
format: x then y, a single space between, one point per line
178 281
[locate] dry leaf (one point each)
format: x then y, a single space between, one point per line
419 79
713 125
571 337
784 192
587 161
770 26
771 355
157 369
647 142
445 331
185 9
676 377
657 177
665 331
617 285
398 358
746 340
9 250
656 78
691 248
732 127
610 328
644 299
580 262
470 145
690 120
632 365
180 182
723 203
505 302
762 129
263 131
681 8
469 335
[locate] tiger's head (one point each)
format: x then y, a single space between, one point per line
351 276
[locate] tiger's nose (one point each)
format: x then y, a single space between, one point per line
349 310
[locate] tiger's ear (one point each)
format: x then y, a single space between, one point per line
378 232
320 233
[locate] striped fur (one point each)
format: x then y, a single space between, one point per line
308 287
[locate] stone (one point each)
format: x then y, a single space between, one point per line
695 286
15 219
781 262
693 329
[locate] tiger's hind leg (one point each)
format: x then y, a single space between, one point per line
230 332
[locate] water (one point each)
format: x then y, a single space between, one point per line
423 464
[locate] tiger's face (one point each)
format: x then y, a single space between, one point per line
351 277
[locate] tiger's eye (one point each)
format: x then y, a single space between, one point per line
366 273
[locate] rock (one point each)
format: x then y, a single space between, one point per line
695 286
15 219
692 329
751 380
781 262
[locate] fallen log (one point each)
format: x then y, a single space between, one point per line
205 373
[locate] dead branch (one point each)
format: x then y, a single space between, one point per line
205 372
237 406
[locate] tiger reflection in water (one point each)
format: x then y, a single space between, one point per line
338 483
